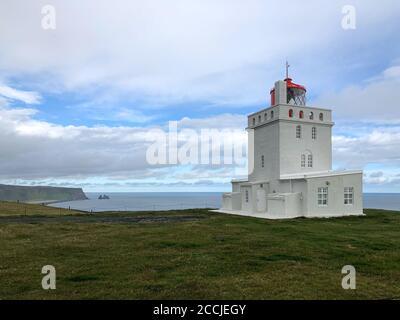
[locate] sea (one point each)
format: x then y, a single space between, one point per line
153 201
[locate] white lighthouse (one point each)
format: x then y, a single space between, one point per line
290 163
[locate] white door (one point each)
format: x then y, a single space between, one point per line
261 200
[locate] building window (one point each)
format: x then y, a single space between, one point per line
262 161
311 116
321 116
290 113
272 114
323 196
254 121
247 195
265 116
301 114
348 195
259 119
314 133
303 160
298 132
310 164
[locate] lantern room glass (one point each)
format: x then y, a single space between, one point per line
296 96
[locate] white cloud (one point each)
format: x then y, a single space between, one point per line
390 180
179 52
378 145
176 51
28 97
376 100
226 120
37 150
117 114
392 73
34 150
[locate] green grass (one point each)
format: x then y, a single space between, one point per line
8 208
219 257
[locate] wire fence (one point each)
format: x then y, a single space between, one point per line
143 207
22 208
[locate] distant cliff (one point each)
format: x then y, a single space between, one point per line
39 193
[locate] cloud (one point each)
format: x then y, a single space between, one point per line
38 150
378 145
225 120
220 52
392 73
118 114
375 100
388 180
41 152
376 174
128 59
28 97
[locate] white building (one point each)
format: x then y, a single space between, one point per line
290 163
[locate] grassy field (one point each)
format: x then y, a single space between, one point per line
21 209
216 257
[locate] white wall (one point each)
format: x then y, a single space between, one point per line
276 206
285 205
291 147
226 201
236 186
266 142
236 201
336 186
247 206
276 140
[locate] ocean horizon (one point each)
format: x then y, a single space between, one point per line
156 201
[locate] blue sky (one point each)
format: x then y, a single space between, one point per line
78 103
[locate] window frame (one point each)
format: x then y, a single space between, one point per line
314 133
303 161
348 196
310 161
322 196
298 131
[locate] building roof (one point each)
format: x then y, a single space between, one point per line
320 174
240 180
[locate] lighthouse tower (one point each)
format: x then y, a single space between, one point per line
290 163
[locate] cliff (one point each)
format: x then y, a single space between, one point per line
39 193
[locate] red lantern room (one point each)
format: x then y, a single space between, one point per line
296 93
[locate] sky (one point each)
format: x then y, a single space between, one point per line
81 103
